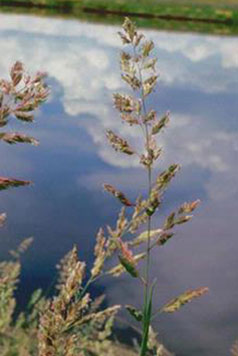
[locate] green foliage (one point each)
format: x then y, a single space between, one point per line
206 16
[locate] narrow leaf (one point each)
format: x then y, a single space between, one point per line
135 313
129 267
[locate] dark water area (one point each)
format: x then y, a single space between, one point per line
66 205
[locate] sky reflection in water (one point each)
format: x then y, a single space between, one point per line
199 85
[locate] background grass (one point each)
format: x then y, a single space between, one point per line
218 16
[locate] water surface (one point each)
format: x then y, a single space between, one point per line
66 205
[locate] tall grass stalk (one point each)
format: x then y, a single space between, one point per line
70 323
138 66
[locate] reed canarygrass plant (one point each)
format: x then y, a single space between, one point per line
71 323
138 67
20 96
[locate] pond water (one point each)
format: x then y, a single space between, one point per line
66 205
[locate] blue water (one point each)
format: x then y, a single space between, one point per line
66 204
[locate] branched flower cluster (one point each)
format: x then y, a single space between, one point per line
138 67
71 323
20 96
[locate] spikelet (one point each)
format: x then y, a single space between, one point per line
9 273
70 324
6 183
16 73
115 235
3 218
100 316
73 282
154 346
99 253
176 303
165 237
65 309
119 195
132 80
147 47
159 125
22 94
23 247
126 103
143 237
66 265
149 117
129 108
149 84
16 137
187 208
119 269
127 260
138 221
129 34
118 143
165 177
175 218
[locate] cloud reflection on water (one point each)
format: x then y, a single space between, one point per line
199 85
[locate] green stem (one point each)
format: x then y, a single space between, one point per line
147 294
146 321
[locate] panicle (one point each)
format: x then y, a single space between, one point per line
126 103
9 274
159 125
3 217
68 323
189 207
16 137
119 269
118 143
23 247
176 303
99 253
119 195
6 183
66 266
